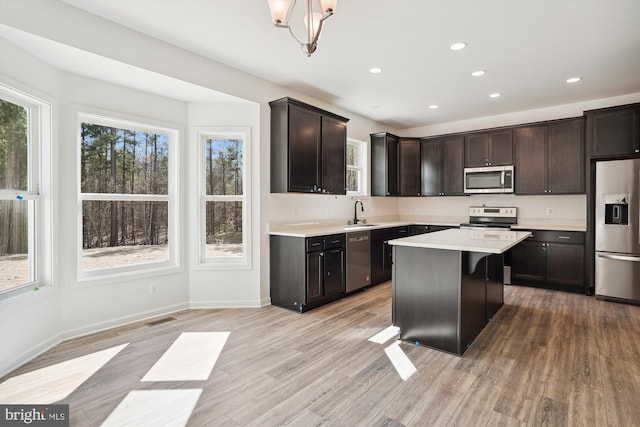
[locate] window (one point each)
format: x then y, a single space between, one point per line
127 181
224 197
355 167
24 129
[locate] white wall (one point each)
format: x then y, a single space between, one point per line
30 323
210 288
97 304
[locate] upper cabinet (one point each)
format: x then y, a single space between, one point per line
308 149
442 166
409 167
614 132
385 176
549 157
492 148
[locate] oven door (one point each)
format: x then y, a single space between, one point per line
488 180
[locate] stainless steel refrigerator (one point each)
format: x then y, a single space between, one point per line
618 230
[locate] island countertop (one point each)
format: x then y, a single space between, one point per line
485 241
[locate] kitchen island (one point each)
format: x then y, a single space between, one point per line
448 285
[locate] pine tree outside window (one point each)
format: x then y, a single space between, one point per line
224 210
127 180
24 131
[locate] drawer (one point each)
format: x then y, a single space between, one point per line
384 234
576 237
334 241
315 243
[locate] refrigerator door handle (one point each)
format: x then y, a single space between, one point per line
620 257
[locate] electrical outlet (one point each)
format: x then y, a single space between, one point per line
153 288
549 211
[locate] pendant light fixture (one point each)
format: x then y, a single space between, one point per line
281 11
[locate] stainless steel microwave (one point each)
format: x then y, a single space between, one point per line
492 179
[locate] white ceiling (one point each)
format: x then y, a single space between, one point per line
528 48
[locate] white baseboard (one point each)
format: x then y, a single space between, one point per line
7 366
121 321
230 304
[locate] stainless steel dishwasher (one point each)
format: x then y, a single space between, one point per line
358 260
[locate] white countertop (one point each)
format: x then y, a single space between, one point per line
323 228
495 242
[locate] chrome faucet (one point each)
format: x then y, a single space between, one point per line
355 211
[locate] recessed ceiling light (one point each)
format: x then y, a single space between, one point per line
458 46
495 95
478 73
375 70
433 106
573 79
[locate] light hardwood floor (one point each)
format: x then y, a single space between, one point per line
548 358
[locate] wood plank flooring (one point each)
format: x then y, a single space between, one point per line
548 358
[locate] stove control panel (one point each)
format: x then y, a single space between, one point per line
493 212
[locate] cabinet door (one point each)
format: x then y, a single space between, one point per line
387 262
377 261
565 157
304 149
501 148
614 132
453 165
431 155
334 272
409 167
393 176
476 150
384 165
530 159
314 277
528 261
334 148
565 264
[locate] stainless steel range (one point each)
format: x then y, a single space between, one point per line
491 217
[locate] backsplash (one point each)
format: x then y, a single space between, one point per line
530 208
297 208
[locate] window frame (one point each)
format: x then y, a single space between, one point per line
243 262
173 263
39 123
360 168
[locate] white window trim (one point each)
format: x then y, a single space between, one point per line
40 218
361 168
224 263
146 269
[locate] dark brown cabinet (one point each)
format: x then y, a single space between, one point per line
549 157
308 149
493 148
307 272
409 167
382 252
442 166
554 258
613 132
385 176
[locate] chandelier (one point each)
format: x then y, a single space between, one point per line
281 11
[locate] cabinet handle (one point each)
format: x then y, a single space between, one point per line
315 244
335 241
564 237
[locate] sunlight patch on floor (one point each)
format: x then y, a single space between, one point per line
55 382
385 335
154 408
191 357
400 361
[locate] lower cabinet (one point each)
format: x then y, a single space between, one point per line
307 272
554 258
382 252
